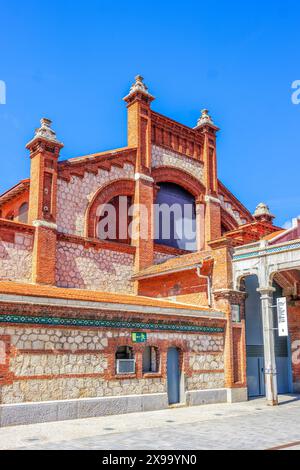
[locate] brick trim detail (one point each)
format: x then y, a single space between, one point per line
174 175
123 187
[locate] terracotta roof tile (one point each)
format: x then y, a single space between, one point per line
13 288
15 190
179 263
273 235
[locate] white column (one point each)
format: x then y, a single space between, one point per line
269 345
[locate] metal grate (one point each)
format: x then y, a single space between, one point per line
125 366
255 350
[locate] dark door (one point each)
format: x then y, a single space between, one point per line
255 371
255 347
283 364
173 375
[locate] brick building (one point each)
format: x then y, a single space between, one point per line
92 326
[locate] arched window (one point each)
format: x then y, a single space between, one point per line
175 217
115 219
151 360
23 213
125 361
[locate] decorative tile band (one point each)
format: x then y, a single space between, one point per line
267 251
251 254
75 322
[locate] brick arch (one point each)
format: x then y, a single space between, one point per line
105 194
167 174
184 355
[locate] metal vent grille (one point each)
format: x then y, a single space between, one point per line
255 351
125 366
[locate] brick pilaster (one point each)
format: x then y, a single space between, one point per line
139 135
213 209
143 222
44 152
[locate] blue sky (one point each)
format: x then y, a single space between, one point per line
74 61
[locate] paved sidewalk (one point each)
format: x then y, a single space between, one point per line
251 425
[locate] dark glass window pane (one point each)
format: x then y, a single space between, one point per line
175 217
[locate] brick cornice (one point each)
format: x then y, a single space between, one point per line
16 226
232 296
176 127
93 163
96 243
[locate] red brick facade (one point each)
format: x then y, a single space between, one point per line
63 200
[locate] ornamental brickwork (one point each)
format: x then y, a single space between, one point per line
71 301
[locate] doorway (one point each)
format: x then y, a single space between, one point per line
255 345
173 376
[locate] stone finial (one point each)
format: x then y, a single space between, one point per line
139 86
205 118
45 132
262 213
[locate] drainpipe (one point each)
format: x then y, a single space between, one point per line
208 280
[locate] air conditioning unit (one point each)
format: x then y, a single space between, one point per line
125 366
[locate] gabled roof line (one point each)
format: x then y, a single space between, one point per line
23 185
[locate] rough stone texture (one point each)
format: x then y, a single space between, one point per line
105 270
161 257
74 196
70 363
16 258
196 343
48 339
205 381
51 364
207 343
72 388
163 157
206 362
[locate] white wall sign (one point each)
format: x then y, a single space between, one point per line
283 329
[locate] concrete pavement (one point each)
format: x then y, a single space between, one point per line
251 425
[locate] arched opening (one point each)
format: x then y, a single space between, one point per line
151 360
107 216
125 360
255 342
114 220
23 213
173 376
175 217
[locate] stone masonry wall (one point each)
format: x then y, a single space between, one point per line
163 157
16 258
73 197
87 268
57 363
161 257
